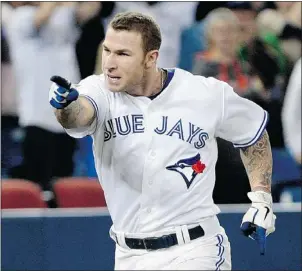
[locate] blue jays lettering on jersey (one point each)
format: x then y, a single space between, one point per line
125 125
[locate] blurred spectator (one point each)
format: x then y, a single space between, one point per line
222 59
92 33
246 13
192 41
172 17
192 38
270 64
204 7
291 11
278 44
8 88
272 54
42 37
256 6
10 141
284 28
291 113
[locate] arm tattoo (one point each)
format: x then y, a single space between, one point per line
75 115
68 116
258 163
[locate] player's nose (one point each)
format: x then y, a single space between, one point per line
109 63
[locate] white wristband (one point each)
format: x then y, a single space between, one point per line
260 197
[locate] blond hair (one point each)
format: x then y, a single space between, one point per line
218 15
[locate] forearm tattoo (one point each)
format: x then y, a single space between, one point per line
258 163
68 117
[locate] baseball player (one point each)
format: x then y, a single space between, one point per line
155 151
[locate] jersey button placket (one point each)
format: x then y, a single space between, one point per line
152 154
146 204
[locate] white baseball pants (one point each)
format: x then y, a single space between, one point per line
210 252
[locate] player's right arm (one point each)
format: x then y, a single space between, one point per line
78 114
72 110
81 108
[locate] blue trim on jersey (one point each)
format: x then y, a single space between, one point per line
169 77
167 82
220 252
258 134
95 107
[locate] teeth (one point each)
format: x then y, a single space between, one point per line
113 79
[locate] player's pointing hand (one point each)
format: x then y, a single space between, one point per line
61 93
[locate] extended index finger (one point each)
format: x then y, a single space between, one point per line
61 81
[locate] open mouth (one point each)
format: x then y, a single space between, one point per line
113 79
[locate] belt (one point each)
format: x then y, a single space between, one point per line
165 241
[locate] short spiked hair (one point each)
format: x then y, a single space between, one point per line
141 23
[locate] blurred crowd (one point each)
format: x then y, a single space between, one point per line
253 46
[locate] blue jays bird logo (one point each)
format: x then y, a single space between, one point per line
188 168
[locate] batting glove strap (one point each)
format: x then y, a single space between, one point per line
60 97
260 197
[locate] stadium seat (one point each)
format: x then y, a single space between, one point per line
19 193
73 192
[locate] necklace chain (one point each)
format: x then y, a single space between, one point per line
162 78
162 73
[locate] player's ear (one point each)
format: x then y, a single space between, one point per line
151 58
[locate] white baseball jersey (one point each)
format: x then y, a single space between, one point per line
156 158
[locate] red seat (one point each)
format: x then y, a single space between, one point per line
19 193
79 192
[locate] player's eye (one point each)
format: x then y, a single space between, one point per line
123 54
106 49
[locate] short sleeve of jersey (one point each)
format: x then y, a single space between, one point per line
243 121
90 89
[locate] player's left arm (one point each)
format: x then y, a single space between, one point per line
243 123
258 163
259 220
